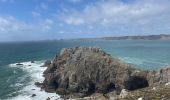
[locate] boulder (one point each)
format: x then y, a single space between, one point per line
32 61
19 64
38 84
123 93
33 95
48 98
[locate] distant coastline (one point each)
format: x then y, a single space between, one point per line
138 37
142 37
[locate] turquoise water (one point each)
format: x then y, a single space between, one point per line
150 55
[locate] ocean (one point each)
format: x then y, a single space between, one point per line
17 82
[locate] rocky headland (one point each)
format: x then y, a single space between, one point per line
89 72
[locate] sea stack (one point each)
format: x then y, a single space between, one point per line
82 71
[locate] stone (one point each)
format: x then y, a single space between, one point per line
167 84
19 64
154 88
32 61
48 98
123 93
61 91
38 84
140 98
33 95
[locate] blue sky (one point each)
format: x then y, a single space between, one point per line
24 20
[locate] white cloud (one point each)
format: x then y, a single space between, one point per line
41 7
7 1
117 12
12 25
8 24
46 25
74 1
99 18
3 0
35 14
74 21
44 6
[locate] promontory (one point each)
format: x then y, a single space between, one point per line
88 72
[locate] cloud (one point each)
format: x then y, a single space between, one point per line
93 18
46 25
3 0
8 24
6 1
74 21
39 9
118 12
35 14
74 1
115 17
12 25
44 6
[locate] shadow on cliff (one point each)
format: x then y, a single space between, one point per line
136 82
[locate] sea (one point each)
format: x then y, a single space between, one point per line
17 82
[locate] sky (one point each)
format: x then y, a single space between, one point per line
27 20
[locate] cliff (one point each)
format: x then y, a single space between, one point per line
82 71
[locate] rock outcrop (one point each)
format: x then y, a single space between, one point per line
85 70
159 77
46 63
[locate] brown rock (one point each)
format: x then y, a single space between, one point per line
38 84
87 70
46 64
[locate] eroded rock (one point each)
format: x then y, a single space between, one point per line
33 95
88 70
19 64
47 63
38 84
32 61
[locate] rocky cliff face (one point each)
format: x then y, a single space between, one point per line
159 77
86 70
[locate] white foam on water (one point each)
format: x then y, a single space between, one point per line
138 61
15 85
36 73
132 60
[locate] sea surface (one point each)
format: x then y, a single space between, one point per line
17 82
